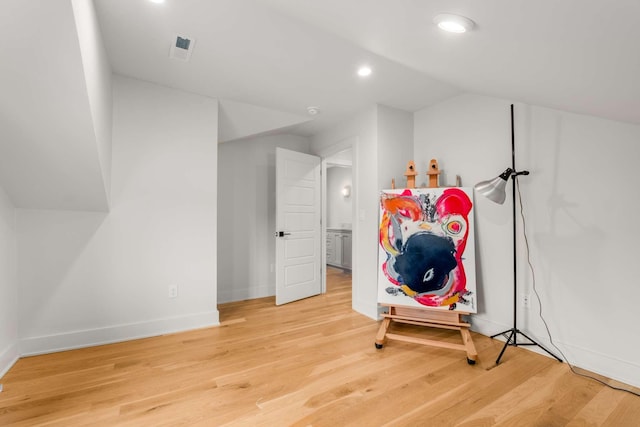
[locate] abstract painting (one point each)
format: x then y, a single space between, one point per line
426 249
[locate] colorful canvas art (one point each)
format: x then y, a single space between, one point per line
426 249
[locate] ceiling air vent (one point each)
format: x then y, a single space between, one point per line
181 48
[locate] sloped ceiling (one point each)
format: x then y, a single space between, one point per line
282 56
49 156
238 120
575 55
248 52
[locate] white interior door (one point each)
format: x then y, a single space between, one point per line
298 228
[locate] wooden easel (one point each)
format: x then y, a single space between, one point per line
433 173
410 173
427 317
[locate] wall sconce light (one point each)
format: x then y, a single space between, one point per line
346 190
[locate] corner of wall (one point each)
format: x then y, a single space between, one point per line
370 310
8 358
9 352
97 74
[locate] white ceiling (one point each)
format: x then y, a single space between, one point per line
575 55
268 60
249 52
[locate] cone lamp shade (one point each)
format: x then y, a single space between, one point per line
494 189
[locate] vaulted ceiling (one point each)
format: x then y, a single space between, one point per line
251 52
575 55
268 60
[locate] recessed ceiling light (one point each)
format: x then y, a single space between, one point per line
453 23
364 71
157 1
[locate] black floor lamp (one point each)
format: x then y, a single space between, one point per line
494 190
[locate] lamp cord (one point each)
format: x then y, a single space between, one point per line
535 291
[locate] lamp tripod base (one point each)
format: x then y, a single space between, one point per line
512 340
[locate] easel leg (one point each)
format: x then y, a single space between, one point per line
472 354
384 327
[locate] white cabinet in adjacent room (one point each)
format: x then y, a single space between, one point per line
346 250
339 248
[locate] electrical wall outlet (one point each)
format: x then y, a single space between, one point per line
173 291
526 301
0 388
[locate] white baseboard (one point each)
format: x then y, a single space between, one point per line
369 310
92 337
625 371
8 358
485 326
232 295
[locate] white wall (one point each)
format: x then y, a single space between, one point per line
370 133
338 206
360 133
8 285
395 147
88 278
97 73
470 136
50 156
578 202
246 215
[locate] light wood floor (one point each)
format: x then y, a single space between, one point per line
309 363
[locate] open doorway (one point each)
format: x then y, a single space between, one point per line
246 218
338 220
